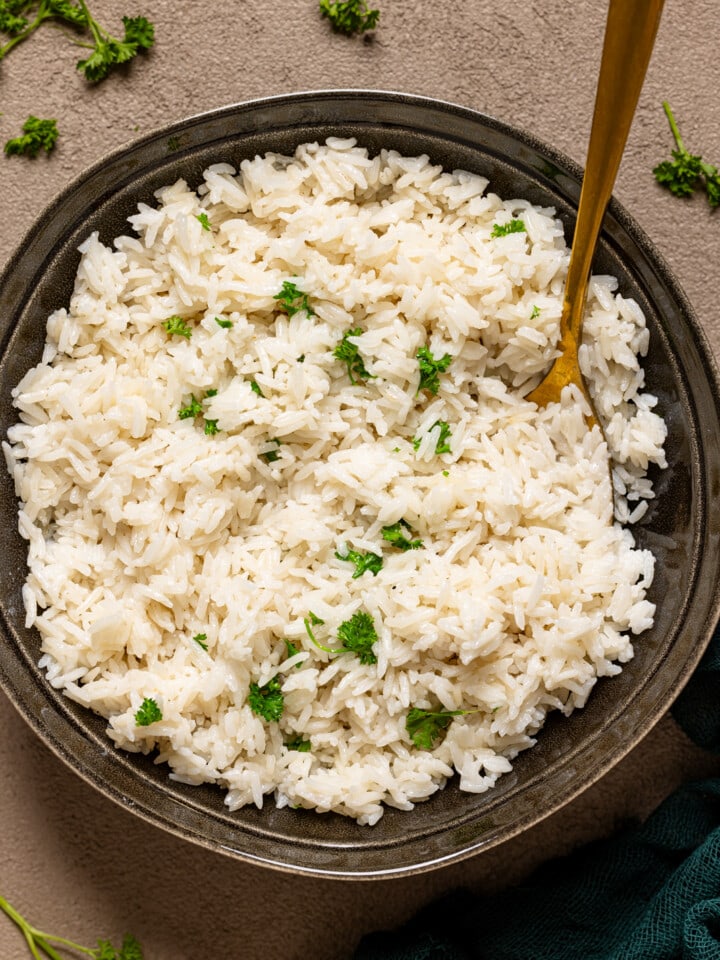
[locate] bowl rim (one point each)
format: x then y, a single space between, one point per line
59 732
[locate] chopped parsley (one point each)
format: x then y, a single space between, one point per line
192 410
270 456
686 172
225 324
430 369
148 712
177 327
201 640
349 16
292 650
267 701
363 561
297 743
349 353
40 943
535 312
441 444
211 428
37 135
202 219
427 728
395 534
503 229
255 387
356 634
293 300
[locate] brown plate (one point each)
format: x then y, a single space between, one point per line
679 527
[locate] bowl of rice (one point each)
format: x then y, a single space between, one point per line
292 567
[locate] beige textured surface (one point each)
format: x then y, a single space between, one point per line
70 859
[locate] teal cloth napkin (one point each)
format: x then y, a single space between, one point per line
652 892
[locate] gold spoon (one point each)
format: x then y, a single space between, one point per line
629 37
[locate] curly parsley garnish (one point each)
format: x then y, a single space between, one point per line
349 353
299 744
427 728
293 300
41 943
363 561
148 712
349 16
441 444
685 172
37 135
356 634
430 369
177 327
503 229
395 534
109 51
267 701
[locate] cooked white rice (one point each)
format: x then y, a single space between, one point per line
144 532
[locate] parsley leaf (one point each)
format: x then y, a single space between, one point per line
686 171
293 300
535 312
40 942
395 535
148 712
225 324
441 444
109 51
297 743
362 561
430 369
200 639
202 219
292 650
255 387
37 135
349 16
177 327
503 229
192 410
270 456
357 635
427 727
211 428
267 701
349 353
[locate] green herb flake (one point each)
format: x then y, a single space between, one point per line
427 728
301 358
686 172
148 712
177 327
211 428
430 369
255 387
297 743
201 640
271 456
293 300
37 135
535 312
446 473
202 219
349 354
267 701
395 535
441 444
504 229
363 561
349 16
225 324
192 410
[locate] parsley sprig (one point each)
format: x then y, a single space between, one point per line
37 135
349 16
148 712
686 172
176 326
267 701
45 943
349 353
427 728
293 300
363 561
195 409
357 635
395 534
430 369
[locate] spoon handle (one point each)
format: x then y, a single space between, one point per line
629 37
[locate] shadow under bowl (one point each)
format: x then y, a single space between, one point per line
680 528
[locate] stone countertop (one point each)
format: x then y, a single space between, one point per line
72 861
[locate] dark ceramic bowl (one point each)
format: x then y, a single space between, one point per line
679 528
